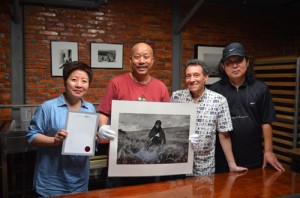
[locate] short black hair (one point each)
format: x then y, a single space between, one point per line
197 62
76 65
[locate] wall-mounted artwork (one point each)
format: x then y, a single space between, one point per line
106 56
62 52
211 55
152 138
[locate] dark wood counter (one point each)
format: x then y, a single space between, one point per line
13 141
253 183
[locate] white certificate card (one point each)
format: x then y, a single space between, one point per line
81 128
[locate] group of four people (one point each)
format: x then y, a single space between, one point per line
233 118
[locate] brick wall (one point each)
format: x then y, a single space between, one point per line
114 22
5 96
264 33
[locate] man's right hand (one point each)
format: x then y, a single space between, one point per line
195 140
105 133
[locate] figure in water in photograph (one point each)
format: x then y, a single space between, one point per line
156 136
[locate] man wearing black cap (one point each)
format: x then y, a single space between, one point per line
251 109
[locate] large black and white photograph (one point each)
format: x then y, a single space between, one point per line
152 138
61 53
211 55
104 55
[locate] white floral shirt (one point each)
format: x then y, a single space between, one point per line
212 114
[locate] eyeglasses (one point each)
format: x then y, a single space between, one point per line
236 61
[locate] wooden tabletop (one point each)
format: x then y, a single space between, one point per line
262 182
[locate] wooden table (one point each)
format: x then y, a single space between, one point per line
253 183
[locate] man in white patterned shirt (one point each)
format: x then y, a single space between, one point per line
212 114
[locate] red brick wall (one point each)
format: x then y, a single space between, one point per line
5 96
264 33
114 22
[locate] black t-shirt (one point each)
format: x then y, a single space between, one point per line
250 106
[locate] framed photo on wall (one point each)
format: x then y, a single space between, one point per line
211 55
106 56
62 52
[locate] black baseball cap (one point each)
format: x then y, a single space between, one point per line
233 49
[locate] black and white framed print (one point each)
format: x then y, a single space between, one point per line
211 55
62 52
106 56
151 139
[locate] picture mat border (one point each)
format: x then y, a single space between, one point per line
138 107
88 129
55 47
106 65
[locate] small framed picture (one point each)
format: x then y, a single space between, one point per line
62 52
211 55
106 56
